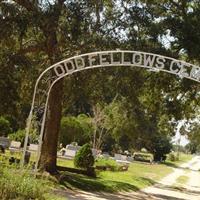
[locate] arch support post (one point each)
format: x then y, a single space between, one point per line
28 127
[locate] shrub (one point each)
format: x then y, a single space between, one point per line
20 136
172 157
145 157
106 163
84 158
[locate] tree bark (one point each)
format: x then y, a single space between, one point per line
48 22
48 157
50 141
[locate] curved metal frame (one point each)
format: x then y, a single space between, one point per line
46 81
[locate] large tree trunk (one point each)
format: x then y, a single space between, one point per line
47 21
48 157
50 141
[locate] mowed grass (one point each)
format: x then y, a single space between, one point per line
182 159
185 157
182 179
16 154
65 163
139 175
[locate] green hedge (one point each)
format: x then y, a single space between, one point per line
172 157
145 157
106 163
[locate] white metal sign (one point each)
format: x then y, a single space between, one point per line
51 75
127 58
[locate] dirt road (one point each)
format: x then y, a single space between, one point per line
168 188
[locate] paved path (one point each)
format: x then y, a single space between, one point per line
164 190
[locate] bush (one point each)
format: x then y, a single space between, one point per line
145 157
18 136
106 163
84 158
161 146
15 184
4 126
172 157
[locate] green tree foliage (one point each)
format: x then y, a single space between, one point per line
160 147
18 136
5 128
182 20
75 129
36 34
84 158
194 137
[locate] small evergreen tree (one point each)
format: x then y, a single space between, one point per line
84 158
162 146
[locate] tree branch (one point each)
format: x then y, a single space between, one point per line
61 1
26 4
32 48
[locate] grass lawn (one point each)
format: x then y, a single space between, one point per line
182 179
65 162
185 157
138 176
17 183
182 159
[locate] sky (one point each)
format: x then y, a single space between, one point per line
183 139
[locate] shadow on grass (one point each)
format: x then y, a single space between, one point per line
179 189
72 181
148 181
169 164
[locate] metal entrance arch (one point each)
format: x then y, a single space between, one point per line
54 73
